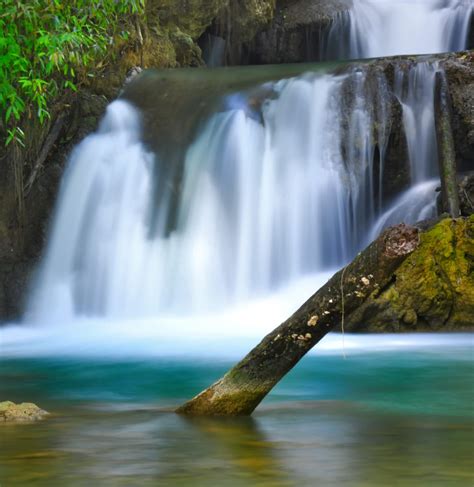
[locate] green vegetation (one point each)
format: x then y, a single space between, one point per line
433 288
47 47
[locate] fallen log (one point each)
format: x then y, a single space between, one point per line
242 388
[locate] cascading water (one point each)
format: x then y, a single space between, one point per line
99 242
264 201
267 198
376 28
415 88
414 205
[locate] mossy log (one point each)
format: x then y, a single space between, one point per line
241 390
446 151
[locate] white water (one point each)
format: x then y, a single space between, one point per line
99 257
267 206
415 89
378 28
414 205
178 339
263 205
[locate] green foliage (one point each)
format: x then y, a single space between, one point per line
46 47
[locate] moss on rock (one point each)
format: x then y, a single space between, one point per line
16 413
432 290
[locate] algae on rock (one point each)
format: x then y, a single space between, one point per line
20 413
432 290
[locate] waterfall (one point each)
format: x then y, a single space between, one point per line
377 28
99 256
415 88
264 201
414 205
271 194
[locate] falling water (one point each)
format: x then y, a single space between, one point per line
377 28
415 88
265 201
269 195
414 205
99 255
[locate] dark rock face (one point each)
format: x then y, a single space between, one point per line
466 194
24 237
297 32
470 41
388 131
460 74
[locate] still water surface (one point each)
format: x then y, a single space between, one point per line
398 416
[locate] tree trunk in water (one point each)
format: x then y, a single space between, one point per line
446 152
241 390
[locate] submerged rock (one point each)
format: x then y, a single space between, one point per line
432 290
24 412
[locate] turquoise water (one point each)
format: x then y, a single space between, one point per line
387 417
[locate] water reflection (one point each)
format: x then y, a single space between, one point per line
315 443
392 415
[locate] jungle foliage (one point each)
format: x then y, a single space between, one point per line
48 47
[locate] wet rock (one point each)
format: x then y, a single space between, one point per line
296 33
466 194
236 28
22 240
189 16
20 413
132 74
460 75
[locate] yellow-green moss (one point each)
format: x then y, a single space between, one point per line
434 287
24 412
246 17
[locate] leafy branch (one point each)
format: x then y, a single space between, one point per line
47 47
